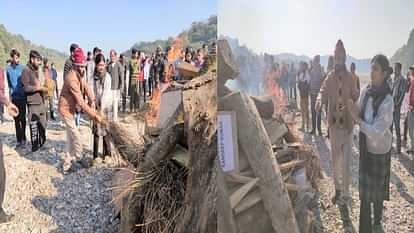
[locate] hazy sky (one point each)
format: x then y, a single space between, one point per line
367 27
107 24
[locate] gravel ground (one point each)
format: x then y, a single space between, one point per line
43 199
398 212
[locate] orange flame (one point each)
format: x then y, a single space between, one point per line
153 114
152 117
273 89
172 55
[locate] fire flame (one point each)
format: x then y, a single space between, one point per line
273 89
152 117
172 55
153 114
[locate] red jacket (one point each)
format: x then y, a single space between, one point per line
411 91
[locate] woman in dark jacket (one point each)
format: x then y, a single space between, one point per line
374 116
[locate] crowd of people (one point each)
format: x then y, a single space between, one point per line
92 85
336 98
376 109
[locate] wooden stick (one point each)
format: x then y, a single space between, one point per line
238 195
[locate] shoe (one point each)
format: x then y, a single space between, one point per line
72 166
19 145
312 132
4 218
320 133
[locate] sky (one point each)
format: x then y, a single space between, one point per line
106 24
303 27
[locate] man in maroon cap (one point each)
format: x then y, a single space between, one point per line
71 97
336 90
13 111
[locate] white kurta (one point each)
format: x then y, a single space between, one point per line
379 137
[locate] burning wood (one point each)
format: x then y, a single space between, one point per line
161 186
276 183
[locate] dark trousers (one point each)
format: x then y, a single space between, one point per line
106 146
150 85
292 93
134 101
316 116
405 128
20 120
143 89
365 219
396 125
124 98
49 104
38 124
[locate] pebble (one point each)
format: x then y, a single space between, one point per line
43 199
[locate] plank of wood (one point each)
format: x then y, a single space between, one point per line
250 200
274 128
225 220
200 115
252 133
238 178
294 187
238 195
294 163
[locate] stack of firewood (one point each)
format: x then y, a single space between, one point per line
275 182
170 186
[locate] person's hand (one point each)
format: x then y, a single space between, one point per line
12 110
410 108
98 119
353 109
43 89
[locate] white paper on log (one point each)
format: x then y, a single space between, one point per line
227 141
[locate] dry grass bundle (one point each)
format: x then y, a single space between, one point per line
163 197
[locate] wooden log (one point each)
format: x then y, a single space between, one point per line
130 210
200 115
294 163
275 129
237 178
164 146
120 182
251 215
226 222
252 133
294 187
227 68
129 147
264 105
291 137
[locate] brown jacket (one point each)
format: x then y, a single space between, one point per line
71 96
334 88
31 85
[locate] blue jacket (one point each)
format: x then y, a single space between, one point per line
14 81
54 74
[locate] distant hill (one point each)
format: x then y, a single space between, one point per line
362 65
9 41
198 34
405 54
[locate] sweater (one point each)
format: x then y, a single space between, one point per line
14 81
